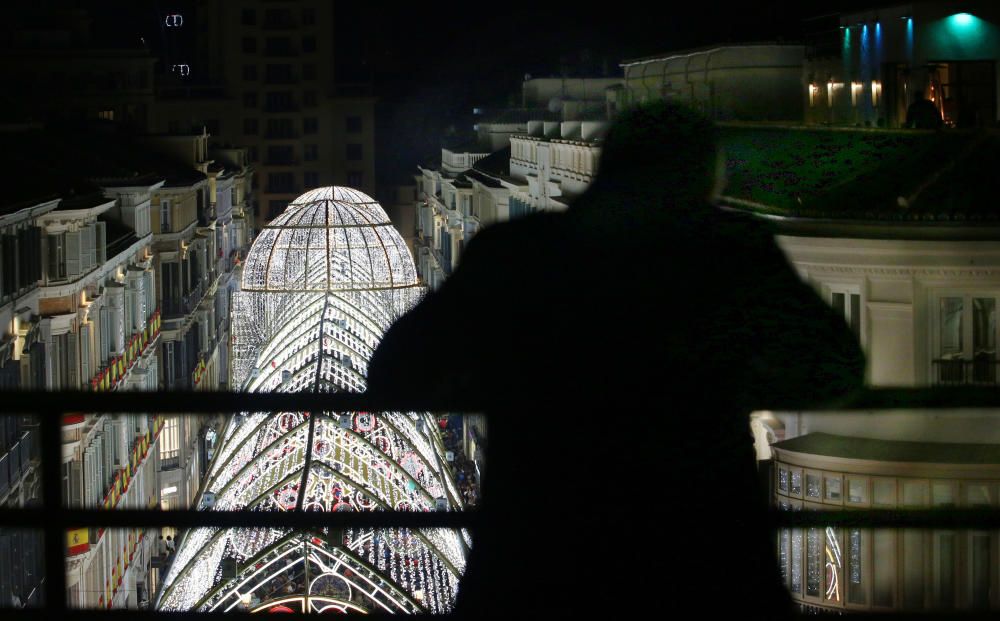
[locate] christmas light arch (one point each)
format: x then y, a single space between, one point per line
321 284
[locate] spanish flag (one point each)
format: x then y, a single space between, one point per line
78 541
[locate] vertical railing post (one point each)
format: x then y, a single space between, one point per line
55 537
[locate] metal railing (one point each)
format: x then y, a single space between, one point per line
55 520
983 371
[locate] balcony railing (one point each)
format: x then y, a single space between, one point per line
983 371
49 407
109 377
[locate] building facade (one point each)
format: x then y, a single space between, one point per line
274 64
867 69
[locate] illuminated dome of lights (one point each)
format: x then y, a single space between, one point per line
297 332
329 239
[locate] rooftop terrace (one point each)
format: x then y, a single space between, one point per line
858 174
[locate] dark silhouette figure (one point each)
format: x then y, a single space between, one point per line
922 113
618 348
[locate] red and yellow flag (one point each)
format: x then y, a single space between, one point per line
77 541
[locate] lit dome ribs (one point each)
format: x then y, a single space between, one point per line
321 284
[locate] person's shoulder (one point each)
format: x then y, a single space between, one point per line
514 236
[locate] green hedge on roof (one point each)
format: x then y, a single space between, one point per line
861 174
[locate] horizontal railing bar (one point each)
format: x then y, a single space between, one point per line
971 519
30 614
139 615
79 518
19 402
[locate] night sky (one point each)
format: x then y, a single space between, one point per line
431 63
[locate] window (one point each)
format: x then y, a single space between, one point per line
783 480
249 45
846 300
57 256
278 46
353 124
250 99
166 216
279 101
309 98
966 339
857 569
310 179
278 17
310 125
857 490
834 488
252 156
354 152
278 74
311 152
813 485
308 44
308 17
280 128
884 492
309 71
280 182
170 445
280 154
250 127
250 72
249 17
355 179
796 485
213 127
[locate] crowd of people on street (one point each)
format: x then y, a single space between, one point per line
466 475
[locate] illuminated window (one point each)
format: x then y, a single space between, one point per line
170 438
107 115
856 90
813 94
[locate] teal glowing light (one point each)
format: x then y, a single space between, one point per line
962 19
962 36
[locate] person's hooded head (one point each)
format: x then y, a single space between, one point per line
662 148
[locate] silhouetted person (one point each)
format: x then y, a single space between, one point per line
618 347
922 113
